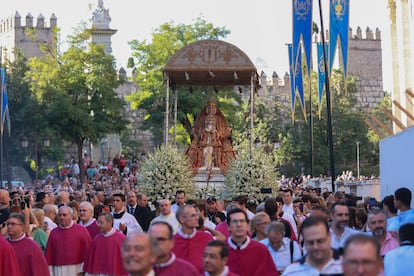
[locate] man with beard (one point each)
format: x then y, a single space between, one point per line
320 258
138 207
377 223
339 229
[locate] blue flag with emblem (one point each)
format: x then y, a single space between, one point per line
4 101
302 30
299 82
321 74
338 27
292 79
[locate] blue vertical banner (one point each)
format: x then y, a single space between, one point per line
338 27
321 74
292 79
299 82
302 29
4 101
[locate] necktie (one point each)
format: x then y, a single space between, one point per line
131 210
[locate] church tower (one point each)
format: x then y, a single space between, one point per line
101 32
110 145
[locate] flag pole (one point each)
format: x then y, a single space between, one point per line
2 126
328 103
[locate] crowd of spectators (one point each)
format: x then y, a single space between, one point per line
302 231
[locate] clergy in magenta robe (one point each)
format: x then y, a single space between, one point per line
68 245
104 256
250 259
29 256
92 228
87 220
175 267
8 260
191 247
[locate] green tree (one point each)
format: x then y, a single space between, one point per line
29 121
150 59
293 155
78 89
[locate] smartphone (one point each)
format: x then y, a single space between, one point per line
301 207
372 202
22 204
27 201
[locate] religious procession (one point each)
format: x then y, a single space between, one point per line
187 161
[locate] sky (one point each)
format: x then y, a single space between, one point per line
260 28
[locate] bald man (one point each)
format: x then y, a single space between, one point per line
139 254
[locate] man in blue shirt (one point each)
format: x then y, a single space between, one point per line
402 201
400 260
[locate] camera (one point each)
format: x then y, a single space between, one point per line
24 202
301 207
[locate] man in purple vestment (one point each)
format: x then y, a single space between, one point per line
28 253
167 263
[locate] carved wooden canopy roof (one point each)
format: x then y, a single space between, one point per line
210 62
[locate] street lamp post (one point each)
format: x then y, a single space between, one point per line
357 156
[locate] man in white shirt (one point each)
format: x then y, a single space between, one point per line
242 201
124 221
288 202
320 258
51 211
284 251
166 215
179 200
339 229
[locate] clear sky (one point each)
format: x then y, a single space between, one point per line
260 28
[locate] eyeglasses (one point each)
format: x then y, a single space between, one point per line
356 263
317 242
241 221
263 223
161 239
13 224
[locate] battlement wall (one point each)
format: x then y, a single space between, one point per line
28 37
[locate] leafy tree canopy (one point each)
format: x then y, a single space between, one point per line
78 90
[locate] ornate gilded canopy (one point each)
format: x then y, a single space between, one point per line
210 62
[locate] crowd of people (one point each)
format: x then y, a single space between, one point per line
107 227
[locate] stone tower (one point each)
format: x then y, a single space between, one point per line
365 64
101 32
110 145
29 37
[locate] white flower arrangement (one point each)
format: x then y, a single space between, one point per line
164 172
249 174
